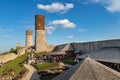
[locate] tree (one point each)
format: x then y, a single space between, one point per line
12 50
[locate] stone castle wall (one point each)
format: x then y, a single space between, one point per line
8 57
21 50
84 47
50 48
87 47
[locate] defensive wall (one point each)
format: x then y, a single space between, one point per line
7 57
87 47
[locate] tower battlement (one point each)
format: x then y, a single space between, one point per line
29 32
39 22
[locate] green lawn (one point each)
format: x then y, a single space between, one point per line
45 66
69 60
13 64
40 53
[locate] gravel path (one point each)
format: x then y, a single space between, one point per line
32 74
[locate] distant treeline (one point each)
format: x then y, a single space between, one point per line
12 50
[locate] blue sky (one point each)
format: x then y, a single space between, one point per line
65 20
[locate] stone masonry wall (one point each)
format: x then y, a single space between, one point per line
41 44
87 47
21 50
28 40
8 57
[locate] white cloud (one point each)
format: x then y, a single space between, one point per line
69 37
5 29
5 35
65 23
95 1
110 5
56 7
29 26
113 6
59 24
49 29
82 30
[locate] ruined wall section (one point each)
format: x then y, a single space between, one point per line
7 57
21 50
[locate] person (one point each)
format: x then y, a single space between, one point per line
76 59
54 59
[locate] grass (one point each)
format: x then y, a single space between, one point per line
13 64
1 54
45 66
69 60
40 53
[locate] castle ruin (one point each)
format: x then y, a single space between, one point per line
40 38
42 46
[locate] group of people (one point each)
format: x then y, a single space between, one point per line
52 58
44 58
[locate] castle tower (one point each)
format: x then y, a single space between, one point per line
40 38
28 38
18 45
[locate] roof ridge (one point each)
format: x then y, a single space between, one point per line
105 67
93 71
89 69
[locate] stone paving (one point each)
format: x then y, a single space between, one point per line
32 74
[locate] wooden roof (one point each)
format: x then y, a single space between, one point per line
89 69
111 55
68 47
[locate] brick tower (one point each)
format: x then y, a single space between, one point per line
28 38
40 38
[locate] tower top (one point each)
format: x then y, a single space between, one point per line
39 22
29 32
39 15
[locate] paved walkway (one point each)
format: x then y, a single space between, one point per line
32 74
63 64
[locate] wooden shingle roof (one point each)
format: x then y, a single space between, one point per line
68 47
111 55
89 69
